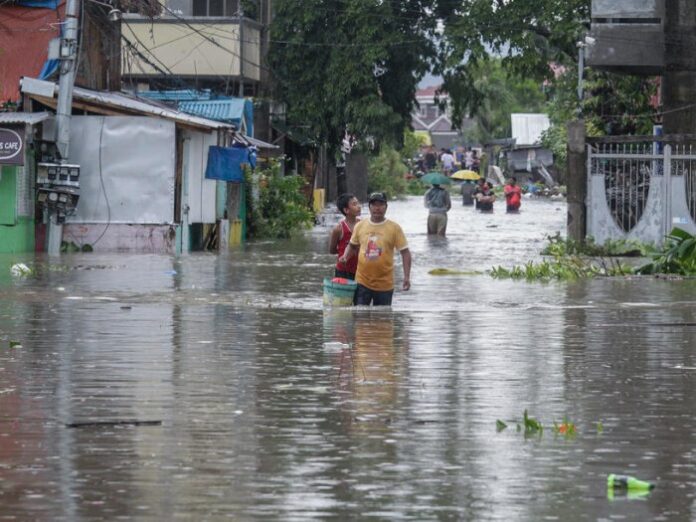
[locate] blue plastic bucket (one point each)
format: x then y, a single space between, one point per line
338 294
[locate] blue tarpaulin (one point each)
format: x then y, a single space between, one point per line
225 163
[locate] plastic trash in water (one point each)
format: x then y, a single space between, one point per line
628 487
20 269
335 346
630 483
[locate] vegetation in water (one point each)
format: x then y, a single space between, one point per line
564 269
532 426
565 428
678 255
559 246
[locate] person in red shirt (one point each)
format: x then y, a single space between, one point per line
513 195
350 207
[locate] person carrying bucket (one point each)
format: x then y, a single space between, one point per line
374 241
350 207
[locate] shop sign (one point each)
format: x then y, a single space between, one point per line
11 147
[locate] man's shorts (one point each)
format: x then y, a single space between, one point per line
364 296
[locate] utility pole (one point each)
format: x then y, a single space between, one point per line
241 50
68 69
679 77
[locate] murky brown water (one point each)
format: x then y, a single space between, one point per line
260 420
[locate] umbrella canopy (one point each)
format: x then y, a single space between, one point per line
466 175
436 178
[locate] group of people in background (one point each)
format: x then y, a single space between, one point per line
449 160
481 195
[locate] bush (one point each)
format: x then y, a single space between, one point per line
386 172
280 210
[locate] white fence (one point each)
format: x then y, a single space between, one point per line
640 190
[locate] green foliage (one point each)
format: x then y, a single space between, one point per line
502 94
678 255
281 208
350 66
500 425
531 425
386 172
559 246
412 145
528 35
563 268
415 187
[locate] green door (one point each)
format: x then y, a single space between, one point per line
8 196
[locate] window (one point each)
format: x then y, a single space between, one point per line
215 7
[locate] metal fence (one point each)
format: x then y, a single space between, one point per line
640 190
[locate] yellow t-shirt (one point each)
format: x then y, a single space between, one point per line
376 257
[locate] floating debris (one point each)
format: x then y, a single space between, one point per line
107 424
20 270
447 271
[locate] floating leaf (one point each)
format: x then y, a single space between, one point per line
600 427
500 425
531 425
447 271
15 344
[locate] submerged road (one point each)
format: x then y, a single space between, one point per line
203 388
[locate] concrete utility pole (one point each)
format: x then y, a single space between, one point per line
68 68
679 78
577 181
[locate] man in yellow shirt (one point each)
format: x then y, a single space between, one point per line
374 240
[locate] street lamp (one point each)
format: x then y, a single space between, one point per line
586 42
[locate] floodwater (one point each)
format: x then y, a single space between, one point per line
201 387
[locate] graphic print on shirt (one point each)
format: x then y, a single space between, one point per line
373 251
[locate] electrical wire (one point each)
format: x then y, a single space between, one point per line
101 180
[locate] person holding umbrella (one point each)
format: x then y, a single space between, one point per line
437 201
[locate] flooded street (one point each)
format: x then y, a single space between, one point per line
202 388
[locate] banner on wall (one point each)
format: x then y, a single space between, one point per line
11 145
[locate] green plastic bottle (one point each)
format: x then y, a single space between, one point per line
628 483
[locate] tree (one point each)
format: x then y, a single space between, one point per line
527 35
350 66
501 95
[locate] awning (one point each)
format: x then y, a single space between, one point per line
237 111
31 118
115 103
259 144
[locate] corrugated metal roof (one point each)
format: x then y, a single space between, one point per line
231 111
32 118
126 103
527 128
259 144
176 95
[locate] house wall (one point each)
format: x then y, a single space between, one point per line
189 49
199 193
24 39
127 171
126 184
